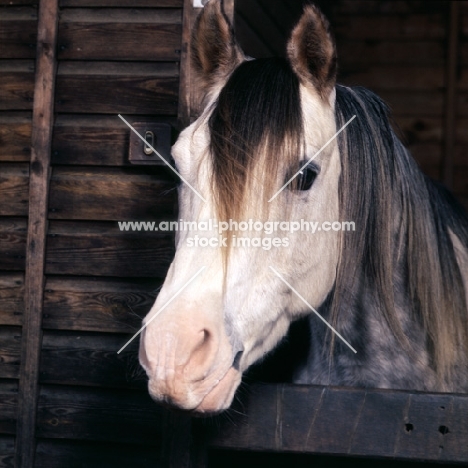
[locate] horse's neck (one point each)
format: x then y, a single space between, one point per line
380 360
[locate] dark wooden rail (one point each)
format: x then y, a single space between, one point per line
345 421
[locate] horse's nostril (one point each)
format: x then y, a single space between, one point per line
237 359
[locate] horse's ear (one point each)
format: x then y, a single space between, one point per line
312 51
214 49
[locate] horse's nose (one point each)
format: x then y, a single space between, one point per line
183 351
200 354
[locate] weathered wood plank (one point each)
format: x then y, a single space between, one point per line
7 451
94 140
10 350
101 249
8 406
14 189
97 304
37 226
348 421
103 34
11 298
15 136
186 84
112 194
391 27
417 78
90 359
16 84
127 416
122 3
13 243
57 453
18 32
112 88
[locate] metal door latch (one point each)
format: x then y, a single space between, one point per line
157 136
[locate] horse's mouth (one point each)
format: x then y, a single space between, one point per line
220 397
217 398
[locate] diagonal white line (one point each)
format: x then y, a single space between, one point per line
311 159
160 310
312 309
159 155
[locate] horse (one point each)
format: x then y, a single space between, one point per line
280 141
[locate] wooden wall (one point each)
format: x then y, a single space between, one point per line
400 50
123 56
18 33
113 56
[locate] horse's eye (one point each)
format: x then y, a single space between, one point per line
305 179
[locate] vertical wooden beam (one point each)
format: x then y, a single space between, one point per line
185 81
451 93
42 125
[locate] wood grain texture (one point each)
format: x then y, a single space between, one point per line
112 88
97 304
10 350
112 194
42 125
16 84
101 249
13 233
14 189
94 140
7 451
18 32
103 34
8 406
11 298
56 453
75 358
15 136
126 416
185 82
342 421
